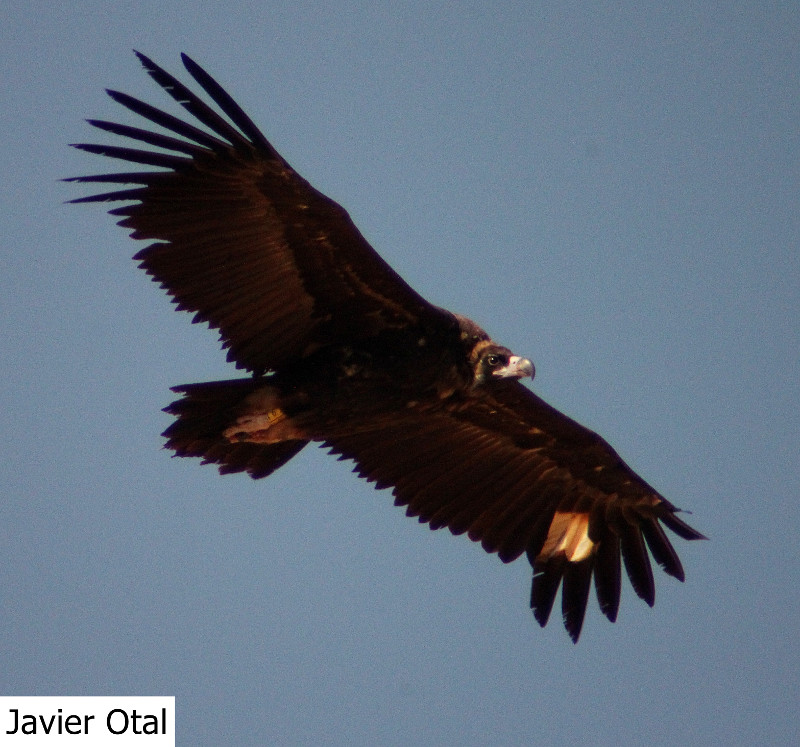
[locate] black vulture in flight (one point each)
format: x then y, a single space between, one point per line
343 352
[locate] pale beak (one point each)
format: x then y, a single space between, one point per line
517 368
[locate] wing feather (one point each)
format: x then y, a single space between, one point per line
168 122
661 549
546 580
637 563
608 573
575 595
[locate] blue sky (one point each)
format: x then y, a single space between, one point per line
610 190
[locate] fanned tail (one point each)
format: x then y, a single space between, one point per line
204 412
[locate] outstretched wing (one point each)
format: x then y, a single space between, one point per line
244 241
520 477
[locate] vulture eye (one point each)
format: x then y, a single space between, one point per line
493 360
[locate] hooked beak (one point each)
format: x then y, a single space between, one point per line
517 368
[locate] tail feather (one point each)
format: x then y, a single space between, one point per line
204 412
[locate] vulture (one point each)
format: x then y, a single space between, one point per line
341 351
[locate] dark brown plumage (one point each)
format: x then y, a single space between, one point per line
343 352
